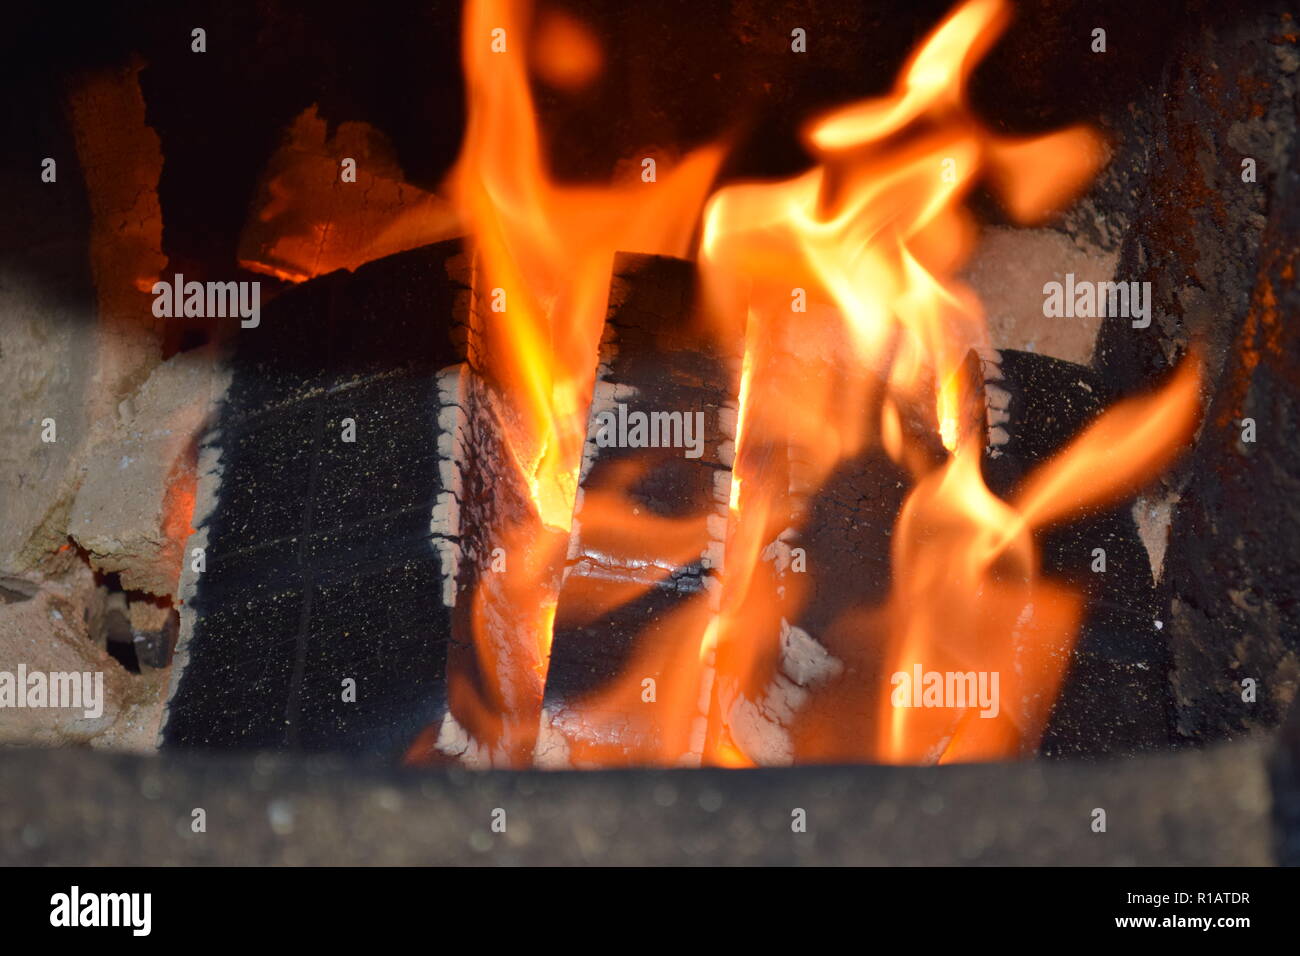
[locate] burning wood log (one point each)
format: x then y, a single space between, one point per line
506 566
553 638
641 576
831 565
813 559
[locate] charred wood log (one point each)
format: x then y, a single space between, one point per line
647 542
314 616
1116 696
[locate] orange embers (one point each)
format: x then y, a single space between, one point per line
336 203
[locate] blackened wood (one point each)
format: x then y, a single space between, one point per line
1116 695
493 711
320 564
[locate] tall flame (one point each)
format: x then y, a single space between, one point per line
841 284
860 253
969 597
550 248
543 256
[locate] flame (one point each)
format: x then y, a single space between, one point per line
841 284
567 55
868 242
543 256
969 597
550 248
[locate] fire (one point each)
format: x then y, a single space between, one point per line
549 248
841 284
872 236
969 597
567 55
543 256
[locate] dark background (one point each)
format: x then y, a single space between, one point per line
677 73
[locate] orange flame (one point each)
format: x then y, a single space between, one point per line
544 253
549 248
840 282
871 238
567 56
968 596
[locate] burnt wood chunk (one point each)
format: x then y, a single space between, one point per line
321 566
658 455
1115 698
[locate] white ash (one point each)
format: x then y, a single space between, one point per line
551 752
455 741
997 401
1153 515
444 522
728 417
762 728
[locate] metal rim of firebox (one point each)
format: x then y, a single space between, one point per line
1229 804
